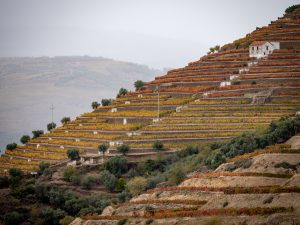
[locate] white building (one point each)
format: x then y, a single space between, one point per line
260 49
225 83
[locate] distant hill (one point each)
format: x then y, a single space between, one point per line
28 86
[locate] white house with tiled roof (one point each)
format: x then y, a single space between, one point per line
260 49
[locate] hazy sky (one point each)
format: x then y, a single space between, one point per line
158 33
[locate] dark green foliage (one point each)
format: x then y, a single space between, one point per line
148 221
14 172
268 200
51 126
286 165
236 82
176 176
215 159
43 166
13 218
48 172
11 146
124 149
52 216
87 182
69 171
292 8
225 204
246 163
109 180
158 145
73 154
74 205
103 148
122 221
75 179
66 220
95 105
24 139
64 120
116 165
122 92
189 150
37 133
4 182
278 132
120 184
106 102
138 85
215 145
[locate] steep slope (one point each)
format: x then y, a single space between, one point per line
217 97
261 187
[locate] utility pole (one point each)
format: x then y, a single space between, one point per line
52 110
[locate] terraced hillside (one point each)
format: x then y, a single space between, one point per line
261 187
217 97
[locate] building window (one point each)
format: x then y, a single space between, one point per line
252 48
267 47
257 48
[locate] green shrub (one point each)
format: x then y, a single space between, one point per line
176 176
137 185
292 8
189 150
48 172
37 133
51 126
245 163
73 154
43 166
120 184
268 200
11 146
286 165
87 182
158 145
106 102
122 92
66 220
124 149
65 120
68 172
138 85
75 179
236 82
13 218
15 172
24 139
109 180
52 216
149 221
116 165
95 105
225 204
122 221
103 148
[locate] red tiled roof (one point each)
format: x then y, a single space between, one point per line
255 43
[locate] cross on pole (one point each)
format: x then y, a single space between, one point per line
52 110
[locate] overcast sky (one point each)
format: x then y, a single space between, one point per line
158 33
